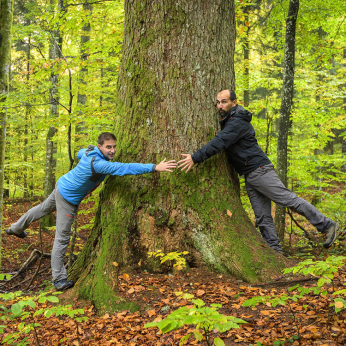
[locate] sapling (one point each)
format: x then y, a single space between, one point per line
206 319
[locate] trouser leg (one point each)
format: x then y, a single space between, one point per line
262 209
35 213
65 214
265 180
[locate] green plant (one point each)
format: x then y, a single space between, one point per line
25 310
206 319
180 262
325 269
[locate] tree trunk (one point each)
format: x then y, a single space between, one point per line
83 72
51 147
177 55
246 52
6 17
285 110
343 143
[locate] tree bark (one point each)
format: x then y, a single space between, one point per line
51 147
177 55
285 110
6 18
83 72
246 52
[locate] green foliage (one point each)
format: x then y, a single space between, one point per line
206 319
180 262
25 310
325 269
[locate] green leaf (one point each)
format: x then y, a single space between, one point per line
218 342
31 303
54 299
170 326
184 339
48 313
198 335
16 309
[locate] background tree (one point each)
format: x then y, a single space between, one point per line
285 110
6 17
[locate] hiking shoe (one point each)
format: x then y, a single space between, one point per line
63 285
330 235
22 235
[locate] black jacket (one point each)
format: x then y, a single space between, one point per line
237 137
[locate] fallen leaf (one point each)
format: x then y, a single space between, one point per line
131 290
339 305
200 293
229 213
115 264
151 313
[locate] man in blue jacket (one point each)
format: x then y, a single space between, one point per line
94 165
237 137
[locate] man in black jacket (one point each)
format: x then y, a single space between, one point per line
237 137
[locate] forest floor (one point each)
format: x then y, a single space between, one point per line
311 318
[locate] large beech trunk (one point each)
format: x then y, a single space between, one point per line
177 55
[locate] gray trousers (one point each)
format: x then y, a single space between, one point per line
263 186
65 213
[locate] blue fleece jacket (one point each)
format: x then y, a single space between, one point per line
76 184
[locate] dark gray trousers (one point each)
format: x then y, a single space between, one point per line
65 213
263 186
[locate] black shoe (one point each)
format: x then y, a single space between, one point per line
63 285
330 235
23 235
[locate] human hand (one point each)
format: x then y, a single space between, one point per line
186 163
164 166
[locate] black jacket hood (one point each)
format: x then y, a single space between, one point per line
236 112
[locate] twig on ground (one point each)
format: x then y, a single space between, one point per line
285 283
34 256
39 264
306 233
22 282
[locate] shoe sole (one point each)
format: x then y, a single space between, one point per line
64 288
332 242
21 236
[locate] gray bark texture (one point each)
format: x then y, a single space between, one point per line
6 18
83 72
177 55
285 110
51 147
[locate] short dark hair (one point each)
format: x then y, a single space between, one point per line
105 136
232 95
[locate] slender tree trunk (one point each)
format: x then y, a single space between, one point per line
172 68
51 147
6 17
285 110
343 143
246 53
83 72
26 125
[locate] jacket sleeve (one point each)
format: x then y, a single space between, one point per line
118 168
232 132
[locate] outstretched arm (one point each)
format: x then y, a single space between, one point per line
164 166
186 163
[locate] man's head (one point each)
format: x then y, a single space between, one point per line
106 142
225 101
